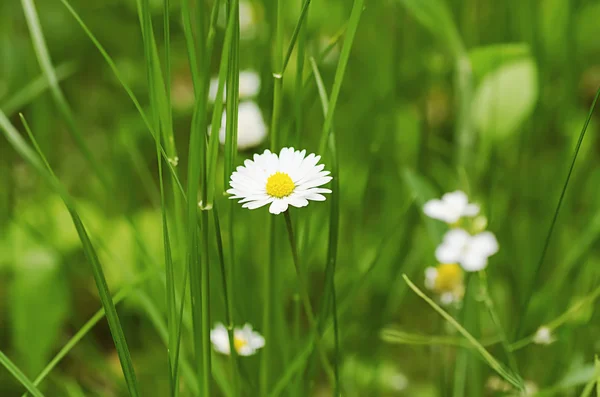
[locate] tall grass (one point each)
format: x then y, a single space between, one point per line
403 101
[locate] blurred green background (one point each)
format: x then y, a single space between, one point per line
480 95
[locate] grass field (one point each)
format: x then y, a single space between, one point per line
131 129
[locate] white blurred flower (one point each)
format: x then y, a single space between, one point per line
245 340
252 130
543 336
451 207
447 280
248 19
292 178
249 86
471 252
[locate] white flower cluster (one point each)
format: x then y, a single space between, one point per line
458 245
459 250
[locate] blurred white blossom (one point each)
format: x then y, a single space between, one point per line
451 207
471 252
245 340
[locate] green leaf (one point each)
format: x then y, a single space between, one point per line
18 374
40 305
489 58
506 98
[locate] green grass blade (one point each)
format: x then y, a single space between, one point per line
43 56
538 267
357 9
213 142
197 240
296 366
329 298
228 303
128 90
295 34
111 314
19 375
87 327
487 357
35 88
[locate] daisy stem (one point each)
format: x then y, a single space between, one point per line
305 297
489 304
267 311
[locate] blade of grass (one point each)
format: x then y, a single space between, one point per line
197 243
357 9
487 357
19 375
303 289
88 326
295 34
329 299
43 56
35 88
228 304
213 142
111 314
299 89
534 280
128 90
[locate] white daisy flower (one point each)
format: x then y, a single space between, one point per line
451 207
543 336
447 280
292 178
245 340
471 252
249 86
252 130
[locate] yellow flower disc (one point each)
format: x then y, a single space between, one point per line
280 185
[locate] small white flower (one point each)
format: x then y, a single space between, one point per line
252 130
451 207
543 336
245 340
249 86
471 252
292 178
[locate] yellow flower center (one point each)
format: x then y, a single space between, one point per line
449 277
280 185
239 343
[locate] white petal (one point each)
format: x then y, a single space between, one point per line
278 206
473 262
298 202
220 339
437 209
257 204
315 182
456 199
484 243
471 210
430 276
452 246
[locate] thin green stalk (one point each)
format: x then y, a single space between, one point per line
489 304
35 88
87 327
487 357
295 34
353 22
43 56
300 276
19 375
42 167
278 79
299 88
268 298
534 279
128 90
227 291
329 298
